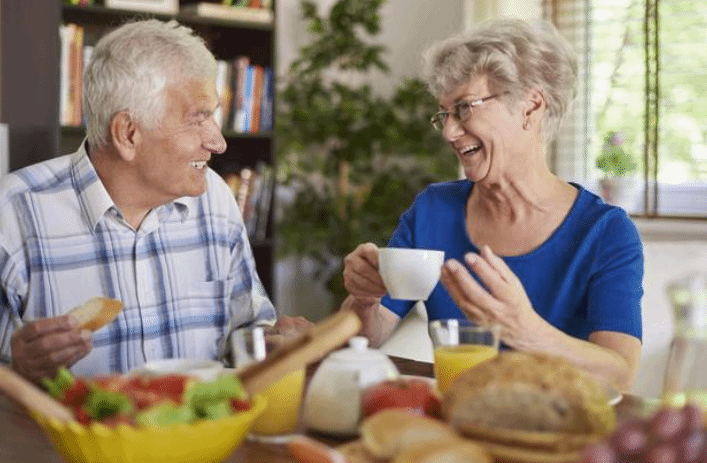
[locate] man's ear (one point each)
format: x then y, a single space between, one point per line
125 134
535 106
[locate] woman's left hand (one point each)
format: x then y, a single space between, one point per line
504 302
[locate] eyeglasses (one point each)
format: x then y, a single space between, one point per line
461 111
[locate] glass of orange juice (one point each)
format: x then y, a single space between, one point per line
280 419
458 346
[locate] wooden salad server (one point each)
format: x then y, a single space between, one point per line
32 397
300 351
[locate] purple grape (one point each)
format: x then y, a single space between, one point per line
662 453
690 447
694 417
601 452
630 438
666 424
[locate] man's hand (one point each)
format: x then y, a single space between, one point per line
290 327
40 347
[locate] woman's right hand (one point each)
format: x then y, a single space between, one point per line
361 277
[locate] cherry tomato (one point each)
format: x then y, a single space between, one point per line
76 394
239 404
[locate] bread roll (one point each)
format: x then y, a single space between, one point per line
355 452
520 454
539 396
391 430
96 312
454 451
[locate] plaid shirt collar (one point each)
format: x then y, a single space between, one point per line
94 200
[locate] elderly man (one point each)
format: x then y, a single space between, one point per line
135 214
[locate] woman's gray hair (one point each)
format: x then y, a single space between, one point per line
516 56
129 69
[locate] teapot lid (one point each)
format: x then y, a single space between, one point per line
358 351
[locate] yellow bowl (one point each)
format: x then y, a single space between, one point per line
205 441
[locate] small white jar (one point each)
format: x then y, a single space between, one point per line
333 399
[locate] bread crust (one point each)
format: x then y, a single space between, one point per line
389 431
452 451
96 312
532 393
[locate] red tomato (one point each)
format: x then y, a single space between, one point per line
81 415
76 394
145 392
239 404
170 387
414 395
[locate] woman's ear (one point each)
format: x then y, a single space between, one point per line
534 109
124 133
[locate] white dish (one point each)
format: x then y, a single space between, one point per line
206 370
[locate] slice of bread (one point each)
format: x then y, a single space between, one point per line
516 454
531 393
96 312
446 451
389 431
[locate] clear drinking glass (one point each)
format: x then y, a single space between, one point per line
280 420
686 371
458 346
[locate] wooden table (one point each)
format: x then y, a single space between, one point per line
22 440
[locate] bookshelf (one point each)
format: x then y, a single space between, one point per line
30 87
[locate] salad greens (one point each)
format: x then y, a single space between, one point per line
148 401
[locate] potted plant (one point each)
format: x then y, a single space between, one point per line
618 184
350 160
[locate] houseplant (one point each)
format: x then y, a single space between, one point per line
618 184
351 159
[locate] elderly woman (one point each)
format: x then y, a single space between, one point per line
559 270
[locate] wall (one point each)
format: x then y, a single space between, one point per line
672 249
407 27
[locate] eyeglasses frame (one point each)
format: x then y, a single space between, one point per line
441 117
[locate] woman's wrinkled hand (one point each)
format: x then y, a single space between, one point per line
361 277
503 301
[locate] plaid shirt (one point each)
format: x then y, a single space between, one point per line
186 276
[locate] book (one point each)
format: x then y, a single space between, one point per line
228 12
239 81
253 188
75 75
266 105
267 184
247 108
65 36
256 99
224 76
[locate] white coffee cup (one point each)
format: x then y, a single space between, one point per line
410 274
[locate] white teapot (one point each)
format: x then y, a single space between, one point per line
332 403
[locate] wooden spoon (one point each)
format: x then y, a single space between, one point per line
32 397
